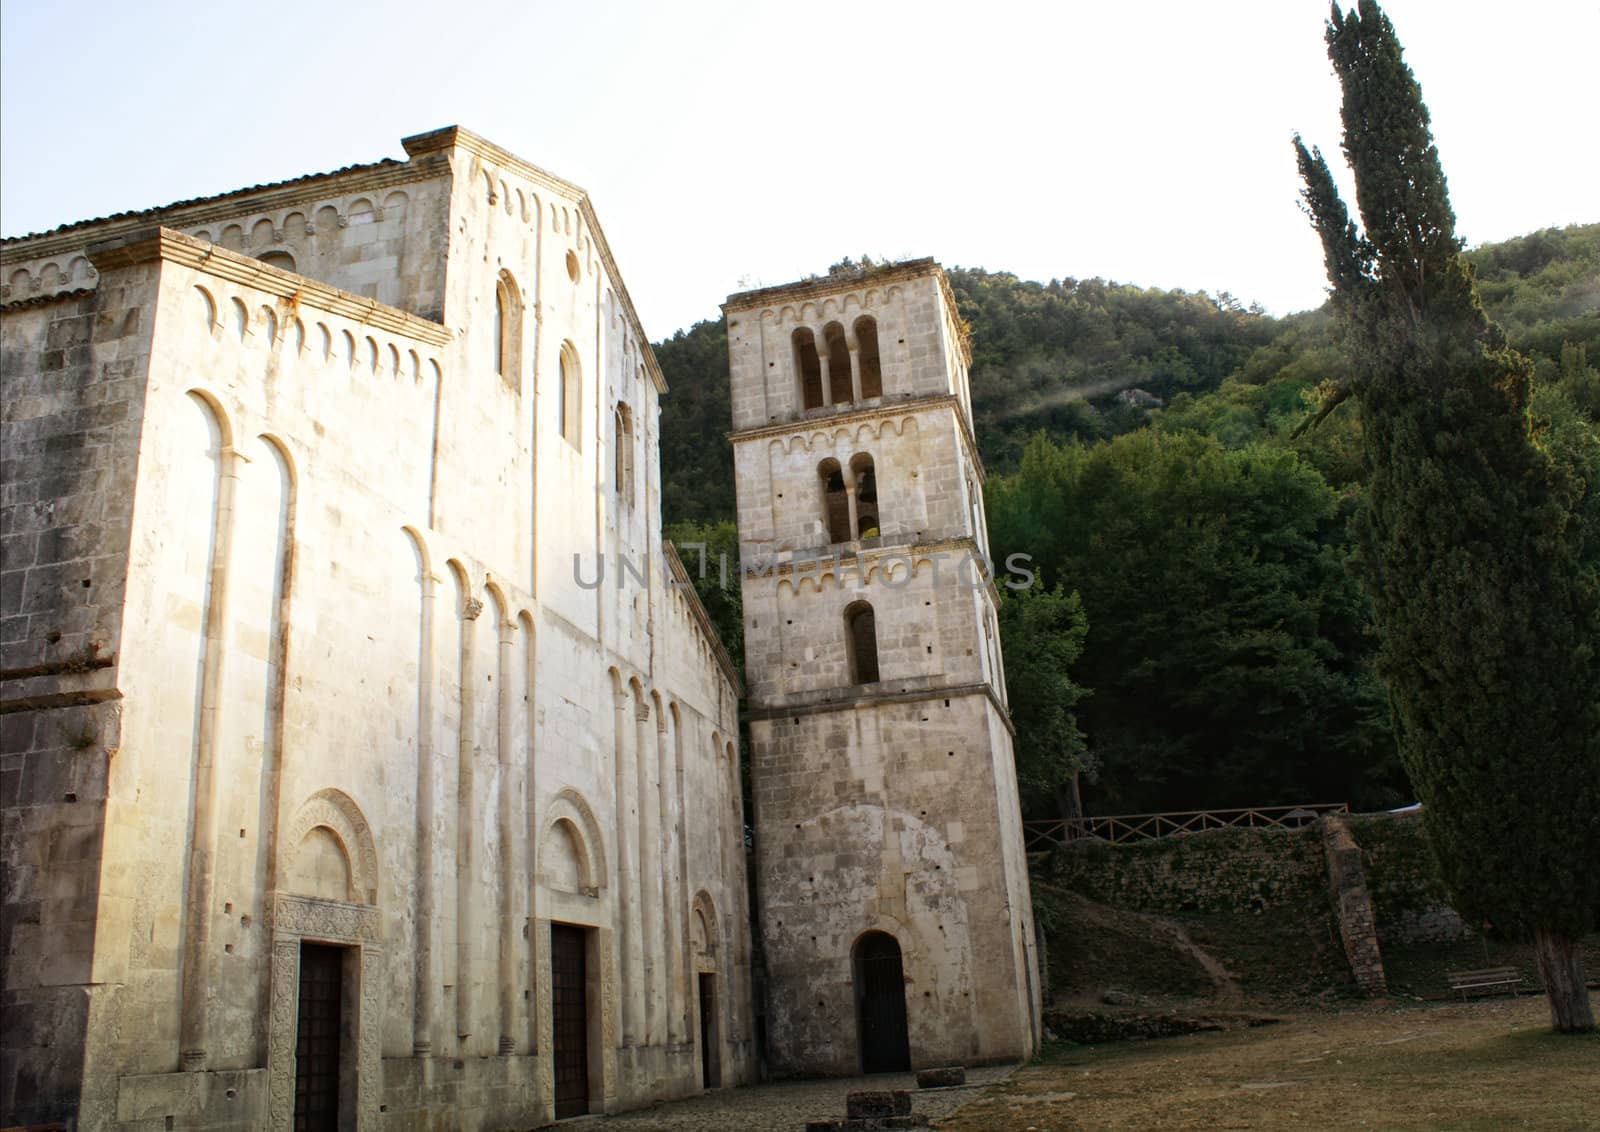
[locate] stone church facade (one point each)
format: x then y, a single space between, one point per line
336 792
895 915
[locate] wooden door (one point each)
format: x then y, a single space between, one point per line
317 1038
710 1041
881 1005
569 1006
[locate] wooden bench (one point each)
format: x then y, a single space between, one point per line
1485 980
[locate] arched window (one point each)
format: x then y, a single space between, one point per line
506 331
867 357
839 380
861 642
866 477
622 457
569 396
835 501
807 365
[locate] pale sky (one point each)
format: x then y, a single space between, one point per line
737 144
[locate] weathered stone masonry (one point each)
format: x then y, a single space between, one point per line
888 828
294 482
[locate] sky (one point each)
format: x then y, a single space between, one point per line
729 145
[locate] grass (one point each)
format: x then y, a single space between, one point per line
1492 1064
1094 946
1289 953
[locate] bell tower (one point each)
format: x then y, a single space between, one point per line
892 882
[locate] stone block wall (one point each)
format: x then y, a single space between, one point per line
75 373
1222 870
882 772
1352 906
376 230
915 332
884 820
1408 897
922 495
1375 871
795 628
69 446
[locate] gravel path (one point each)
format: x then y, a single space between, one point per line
785 1106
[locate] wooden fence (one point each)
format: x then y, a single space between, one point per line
1041 835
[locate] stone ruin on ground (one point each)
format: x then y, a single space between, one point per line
871 1109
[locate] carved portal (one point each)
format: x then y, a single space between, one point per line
298 919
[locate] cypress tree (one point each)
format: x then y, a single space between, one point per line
1473 544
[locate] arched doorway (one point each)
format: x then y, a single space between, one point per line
703 941
880 1004
326 972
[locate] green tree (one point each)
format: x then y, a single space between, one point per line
1226 650
1042 633
696 458
710 553
1052 356
1474 540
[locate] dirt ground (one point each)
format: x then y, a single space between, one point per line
1492 1064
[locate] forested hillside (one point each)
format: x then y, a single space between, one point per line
1051 357
1151 450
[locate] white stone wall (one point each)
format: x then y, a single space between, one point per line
356 689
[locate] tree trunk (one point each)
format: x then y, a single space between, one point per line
1069 804
1561 968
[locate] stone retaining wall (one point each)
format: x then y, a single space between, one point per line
1352 905
1409 901
1375 870
1222 870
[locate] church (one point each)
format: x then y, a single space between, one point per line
367 759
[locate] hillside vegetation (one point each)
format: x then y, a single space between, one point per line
1150 450
1051 357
